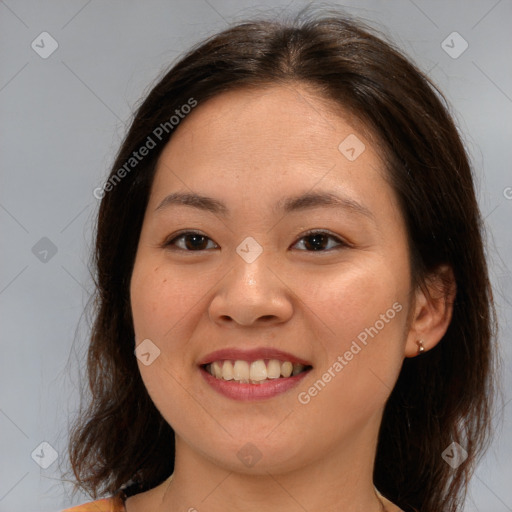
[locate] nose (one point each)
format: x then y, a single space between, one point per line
251 294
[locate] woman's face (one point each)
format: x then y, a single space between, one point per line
252 282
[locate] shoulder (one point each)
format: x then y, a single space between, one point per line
114 504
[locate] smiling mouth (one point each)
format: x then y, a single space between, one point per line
255 372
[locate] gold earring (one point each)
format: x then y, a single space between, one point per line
421 348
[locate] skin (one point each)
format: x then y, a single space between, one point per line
249 149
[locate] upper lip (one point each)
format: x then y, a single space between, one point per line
251 355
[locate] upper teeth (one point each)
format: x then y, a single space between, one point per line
254 372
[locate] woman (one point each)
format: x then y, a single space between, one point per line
293 306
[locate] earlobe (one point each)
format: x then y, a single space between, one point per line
433 312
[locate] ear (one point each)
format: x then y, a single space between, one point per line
432 310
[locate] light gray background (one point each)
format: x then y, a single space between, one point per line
62 119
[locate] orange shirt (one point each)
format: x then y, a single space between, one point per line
113 504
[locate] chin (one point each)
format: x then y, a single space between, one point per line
254 452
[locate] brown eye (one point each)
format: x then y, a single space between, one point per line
190 241
320 241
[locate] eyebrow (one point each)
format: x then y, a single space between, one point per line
302 202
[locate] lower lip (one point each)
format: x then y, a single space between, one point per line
251 392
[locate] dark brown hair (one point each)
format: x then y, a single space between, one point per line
445 395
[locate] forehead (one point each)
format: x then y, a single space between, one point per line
270 141
268 121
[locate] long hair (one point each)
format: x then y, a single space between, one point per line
445 396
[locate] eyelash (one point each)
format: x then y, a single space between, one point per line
170 241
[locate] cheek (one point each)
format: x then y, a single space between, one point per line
348 302
159 299
147 296
162 305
